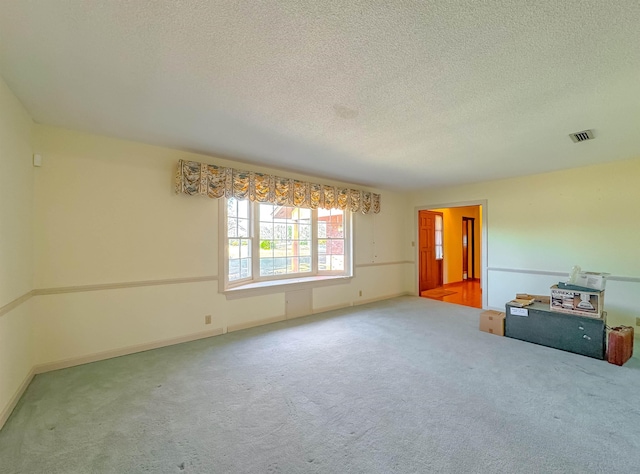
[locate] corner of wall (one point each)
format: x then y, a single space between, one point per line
16 250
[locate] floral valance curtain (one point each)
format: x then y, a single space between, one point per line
218 181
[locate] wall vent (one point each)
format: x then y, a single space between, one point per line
581 136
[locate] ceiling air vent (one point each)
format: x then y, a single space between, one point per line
581 136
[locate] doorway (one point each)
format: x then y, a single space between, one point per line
450 254
468 248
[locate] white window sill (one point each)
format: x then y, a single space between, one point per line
280 286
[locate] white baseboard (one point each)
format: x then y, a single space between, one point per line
324 309
253 324
277 319
6 412
359 302
73 361
381 298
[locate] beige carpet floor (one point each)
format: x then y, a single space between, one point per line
407 385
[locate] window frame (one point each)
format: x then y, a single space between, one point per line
257 278
273 281
225 240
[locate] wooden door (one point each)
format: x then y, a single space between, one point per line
430 268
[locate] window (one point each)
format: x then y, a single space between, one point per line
439 247
285 240
270 242
238 234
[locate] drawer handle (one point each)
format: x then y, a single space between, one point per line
586 337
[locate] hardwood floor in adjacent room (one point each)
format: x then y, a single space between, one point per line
467 293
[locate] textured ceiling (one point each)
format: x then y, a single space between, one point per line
393 94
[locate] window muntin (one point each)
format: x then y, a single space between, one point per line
270 242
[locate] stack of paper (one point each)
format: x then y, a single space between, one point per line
522 302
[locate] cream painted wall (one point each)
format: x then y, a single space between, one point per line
552 221
16 198
16 263
383 237
105 213
16 355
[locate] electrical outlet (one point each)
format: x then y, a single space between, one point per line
207 319
637 321
360 293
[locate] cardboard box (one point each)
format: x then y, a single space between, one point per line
536 298
492 322
581 303
593 280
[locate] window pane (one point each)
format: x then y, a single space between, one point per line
337 262
243 227
266 267
234 248
335 230
266 212
322 229
238 248
305 264
245 268
279 265
305 215
234 270
266 248
245 248
293 248
232 227
266 230
305 232
305 248
331 240
336 247
438 237
243 209
232 207
280 232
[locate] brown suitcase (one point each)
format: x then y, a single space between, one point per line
620 346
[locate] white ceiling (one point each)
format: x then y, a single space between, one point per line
394 94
